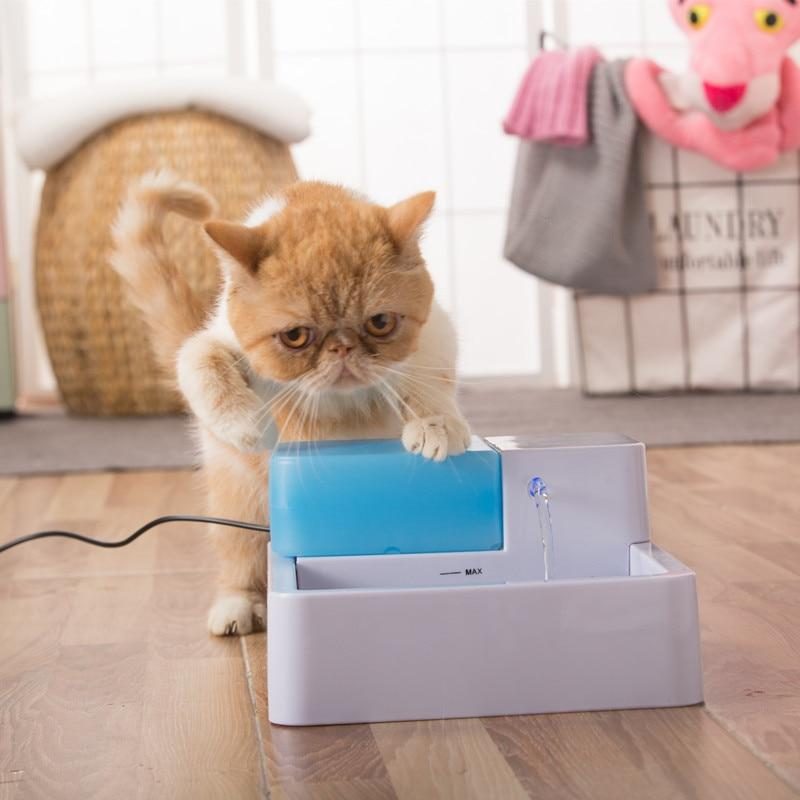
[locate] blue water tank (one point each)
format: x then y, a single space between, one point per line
373 497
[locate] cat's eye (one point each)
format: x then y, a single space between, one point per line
296 338
381 325
698 15
768 21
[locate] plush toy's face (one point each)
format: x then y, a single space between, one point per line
734 42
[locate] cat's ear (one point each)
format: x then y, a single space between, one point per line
406 218
244 244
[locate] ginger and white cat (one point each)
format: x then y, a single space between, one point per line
326 297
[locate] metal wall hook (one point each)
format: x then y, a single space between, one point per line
545 36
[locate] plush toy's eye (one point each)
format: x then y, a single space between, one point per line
296 338
698 15
769 21
381 325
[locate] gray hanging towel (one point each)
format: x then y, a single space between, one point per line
578 216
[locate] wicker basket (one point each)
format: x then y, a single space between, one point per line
96 340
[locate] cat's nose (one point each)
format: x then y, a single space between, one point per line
340 349
341 343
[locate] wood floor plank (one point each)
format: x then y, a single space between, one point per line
445 759
356 789
149 491
108 609
326 754
714 541
131 503
116 644
76 724
176 542
197 737
676 467
323 762
658 754
32 614
752 669
24 504
784 553
7 486
19 691
10 786
179 607
79 497
22 512
733 529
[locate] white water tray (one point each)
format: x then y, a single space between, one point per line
350 655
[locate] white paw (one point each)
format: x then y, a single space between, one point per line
235 614
436 437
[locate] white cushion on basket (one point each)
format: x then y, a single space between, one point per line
49 129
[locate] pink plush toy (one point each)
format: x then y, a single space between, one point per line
740 102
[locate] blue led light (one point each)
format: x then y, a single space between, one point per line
537 488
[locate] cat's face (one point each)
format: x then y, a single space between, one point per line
332 291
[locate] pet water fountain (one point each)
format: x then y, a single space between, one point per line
518 578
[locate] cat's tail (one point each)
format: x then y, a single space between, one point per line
140 256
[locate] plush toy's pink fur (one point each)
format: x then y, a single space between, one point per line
742 95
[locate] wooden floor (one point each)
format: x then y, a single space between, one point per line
110 686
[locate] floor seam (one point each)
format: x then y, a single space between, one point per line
730 729
248 674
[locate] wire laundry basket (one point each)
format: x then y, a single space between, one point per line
96 340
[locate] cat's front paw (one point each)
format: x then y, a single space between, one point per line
436 437
236 615
239 431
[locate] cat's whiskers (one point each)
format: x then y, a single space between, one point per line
309 421
290 390
446 375
306 385
286 390
421 385
406 368
294 398
297 396
390 401
314 421
413 414
409 375
272 405
415 371
271 422
305 422
433 367
374 378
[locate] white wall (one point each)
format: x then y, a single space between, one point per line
622 28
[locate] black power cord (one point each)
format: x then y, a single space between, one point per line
79 537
